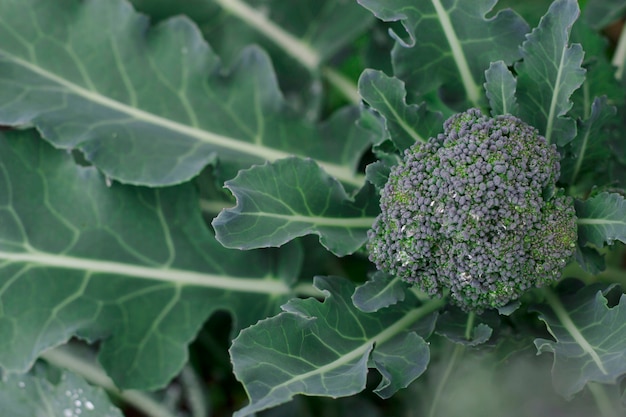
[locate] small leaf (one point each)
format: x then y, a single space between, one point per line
601 219
381 291
453 326
405 124
500 89
549 73
34 395
589 339
324 348
588 151
600 76
590 260
290 198
450 44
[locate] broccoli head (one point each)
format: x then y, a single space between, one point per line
476 211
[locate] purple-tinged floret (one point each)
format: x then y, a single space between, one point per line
466 212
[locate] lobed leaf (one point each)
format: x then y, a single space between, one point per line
589 339
500 85
324 348
70 396
549 73
293 197
405 124
450 44
134 267
601 219
154 105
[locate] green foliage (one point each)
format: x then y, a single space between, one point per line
163 163
64 395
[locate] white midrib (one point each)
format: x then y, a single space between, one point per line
308 57
340 172
405 126
572 329
380 338
600 221
343 222
471 88
174 276
553 102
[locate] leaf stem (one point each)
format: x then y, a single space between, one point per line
195 394
471 88
343 84
602 400
299 50
63 357
563 317
456 354
469 327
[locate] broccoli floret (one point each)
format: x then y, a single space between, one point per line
474 211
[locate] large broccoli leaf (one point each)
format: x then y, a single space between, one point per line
300 35
450 44
135 267
37 396
290 198
150 106
601 219
550 72
589 339
325 348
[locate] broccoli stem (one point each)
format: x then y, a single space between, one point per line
454 359
604 403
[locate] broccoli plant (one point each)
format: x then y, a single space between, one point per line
312 207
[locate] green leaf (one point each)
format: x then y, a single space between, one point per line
134 267
600 13
589 339
450 44
157 91
600 76
549 73
69 396
382 290
405 124
324 348
588 151
290 198
500 89
590 260
453 325
601 220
